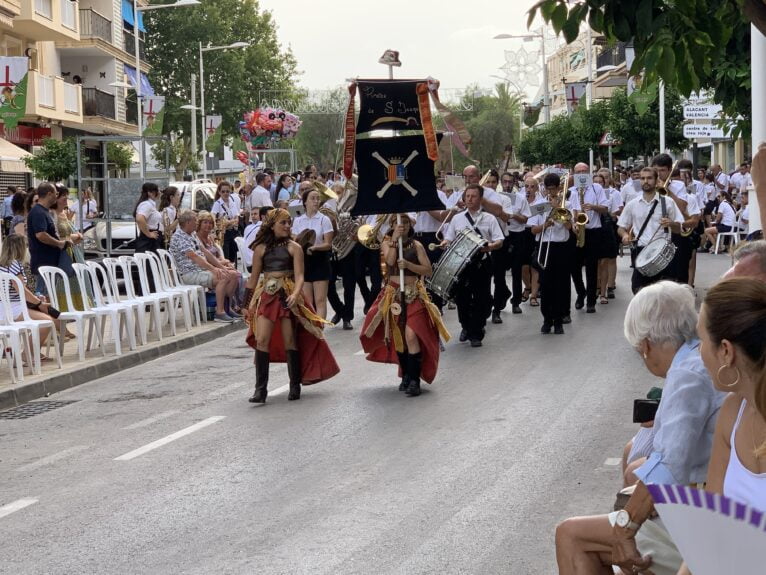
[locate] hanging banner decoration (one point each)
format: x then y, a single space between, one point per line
643 97
395 176
388 105
532 114
13 90
460 136
153 111
213 132
575 92
349 134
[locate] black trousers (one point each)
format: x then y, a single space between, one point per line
343 269
555 285
587 256
518 257
501 263
473 297
367 262
682 257
145 244
229 245
427 238
638 280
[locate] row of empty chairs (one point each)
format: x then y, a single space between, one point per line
112 296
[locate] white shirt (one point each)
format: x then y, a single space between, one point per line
556 233
228 209
728 215
517 205
629 192
320 223
739 180
635 212
88 207
484 222
452 200
424 222
258 198
249 236
171 216
148 209
594 194
722 181
538 200
700 192
744 220
678 188
614 198
505 204
710 192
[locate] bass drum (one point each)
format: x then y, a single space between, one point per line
453 262
655 257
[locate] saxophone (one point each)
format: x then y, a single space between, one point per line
582 219
221 223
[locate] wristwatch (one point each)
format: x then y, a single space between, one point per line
623 520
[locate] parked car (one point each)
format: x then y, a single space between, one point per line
197 195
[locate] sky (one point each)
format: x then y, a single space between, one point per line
338 39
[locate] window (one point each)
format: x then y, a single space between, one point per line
44 8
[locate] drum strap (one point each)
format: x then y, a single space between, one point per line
646 221
473 224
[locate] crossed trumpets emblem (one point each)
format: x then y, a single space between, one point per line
396 172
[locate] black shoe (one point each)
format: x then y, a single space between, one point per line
558 329
403 359
335 319
591 309
414 365
261 377
567 319
294 373
463 336
580 302
496 317
516 309
347 325
610 293
476 343
546 327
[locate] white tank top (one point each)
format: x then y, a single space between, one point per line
740 483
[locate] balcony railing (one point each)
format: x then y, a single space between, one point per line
44 8
94 25
96 102
129 43
46 91
71 98
611 55
69 15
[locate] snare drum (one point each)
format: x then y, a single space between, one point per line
655 257
453 262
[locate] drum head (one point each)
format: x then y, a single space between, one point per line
650 251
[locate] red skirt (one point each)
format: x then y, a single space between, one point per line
380 350
317 361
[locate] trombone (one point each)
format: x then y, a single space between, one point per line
447 219
560 215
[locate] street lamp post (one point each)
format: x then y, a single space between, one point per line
193 109
546 92
136 10
202 93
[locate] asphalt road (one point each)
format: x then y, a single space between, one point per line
470 477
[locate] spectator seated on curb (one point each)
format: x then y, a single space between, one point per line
194 267
660 324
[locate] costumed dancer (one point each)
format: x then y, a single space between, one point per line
411 341
283 328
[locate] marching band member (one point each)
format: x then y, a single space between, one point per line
283 328
594 203
474 302
416 347
529 270
516 245
607 266
317 276
556 247
644 212
227 208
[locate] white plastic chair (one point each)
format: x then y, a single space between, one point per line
175 280
733 234
121 315
240 241
110 293
148 267
79 318
125 264
168 284
7 353
33 325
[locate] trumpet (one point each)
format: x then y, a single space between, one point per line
559 214
450 214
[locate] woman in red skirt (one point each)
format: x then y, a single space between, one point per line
282 326
388 337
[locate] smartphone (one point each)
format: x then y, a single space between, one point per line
645 410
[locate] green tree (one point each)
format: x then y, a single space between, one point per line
120 155
316 139
179 154
691 45
55 161
233 78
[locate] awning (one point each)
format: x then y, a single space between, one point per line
127 15
146 87
11 158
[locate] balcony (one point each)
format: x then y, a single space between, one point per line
129 45
611 55
51 98
98 103
47 20
94 25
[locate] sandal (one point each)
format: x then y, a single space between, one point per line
525 294
604 300
533 301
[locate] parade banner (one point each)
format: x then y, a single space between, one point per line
395 176
388 105
213 131
154 113
13 90
575 92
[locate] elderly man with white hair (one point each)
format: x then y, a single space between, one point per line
660 324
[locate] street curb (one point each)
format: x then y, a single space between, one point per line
27 392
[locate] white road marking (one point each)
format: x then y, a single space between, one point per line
152 419
17 505
360 352
613 461
52 458
172 437
279 390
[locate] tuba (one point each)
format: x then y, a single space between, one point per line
346 227
368 235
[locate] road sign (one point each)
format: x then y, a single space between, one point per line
696 131
609 140
702 111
